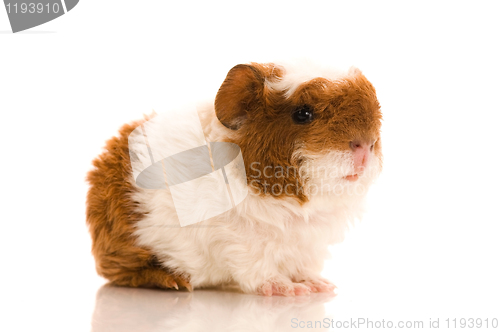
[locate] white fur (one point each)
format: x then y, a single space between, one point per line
263 238
299 72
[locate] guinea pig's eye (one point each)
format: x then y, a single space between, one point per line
303 114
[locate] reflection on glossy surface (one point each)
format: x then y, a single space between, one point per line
131 309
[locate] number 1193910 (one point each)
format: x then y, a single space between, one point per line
471 323
32 8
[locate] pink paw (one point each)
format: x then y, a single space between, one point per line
320 285
283 287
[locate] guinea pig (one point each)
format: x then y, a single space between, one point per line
310 141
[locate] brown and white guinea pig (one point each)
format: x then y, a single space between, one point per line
310 141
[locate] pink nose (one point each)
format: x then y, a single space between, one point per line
361 152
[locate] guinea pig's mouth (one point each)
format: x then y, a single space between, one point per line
352 177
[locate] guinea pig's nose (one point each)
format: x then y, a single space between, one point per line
357 144
361 152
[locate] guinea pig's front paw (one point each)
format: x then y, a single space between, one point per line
319 285
283 287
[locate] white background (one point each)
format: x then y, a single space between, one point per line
429 245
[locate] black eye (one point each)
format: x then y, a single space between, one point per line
303 114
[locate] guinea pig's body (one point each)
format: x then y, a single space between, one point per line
310 145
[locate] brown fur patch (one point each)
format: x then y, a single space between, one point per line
111 215
344 111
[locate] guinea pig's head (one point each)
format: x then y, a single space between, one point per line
302 132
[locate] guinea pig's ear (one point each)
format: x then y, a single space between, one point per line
241 91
